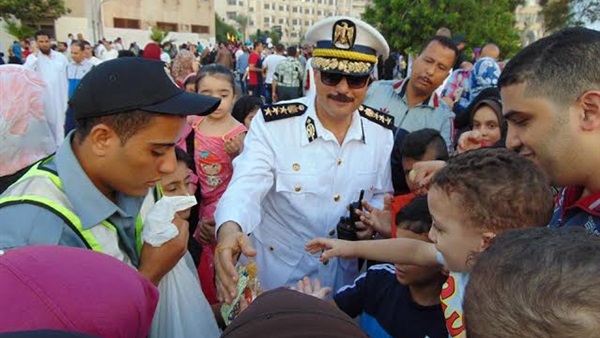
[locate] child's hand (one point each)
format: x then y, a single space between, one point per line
304 286
330 248
378 220
422 172
234 145
470 140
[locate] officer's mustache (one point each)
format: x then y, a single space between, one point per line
340 97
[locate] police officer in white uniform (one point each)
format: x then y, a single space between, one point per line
304 162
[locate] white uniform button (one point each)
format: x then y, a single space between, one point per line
298 188
336 197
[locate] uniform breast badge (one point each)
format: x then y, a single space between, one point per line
311 130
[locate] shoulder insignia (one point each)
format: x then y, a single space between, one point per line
376 116
311 130
276 112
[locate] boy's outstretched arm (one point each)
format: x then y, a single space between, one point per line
395 250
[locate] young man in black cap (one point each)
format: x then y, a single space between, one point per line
129 116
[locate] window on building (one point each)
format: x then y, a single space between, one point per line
330 2
281 21
200 29
319 12
167 26
295 9
267 6
267 20
306 11
126 23
295 22
294 34
231 2
231 15
251 9
241 3
281 8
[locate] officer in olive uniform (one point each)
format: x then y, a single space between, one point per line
304 161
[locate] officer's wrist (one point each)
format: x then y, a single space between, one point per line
228 228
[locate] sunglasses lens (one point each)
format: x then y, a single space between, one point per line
356 82
330 79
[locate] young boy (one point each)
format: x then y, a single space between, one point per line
401 300
421 145
539 282
476 196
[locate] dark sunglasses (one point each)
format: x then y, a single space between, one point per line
353 81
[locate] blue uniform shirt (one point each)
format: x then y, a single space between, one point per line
27 224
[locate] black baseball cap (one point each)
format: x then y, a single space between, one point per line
127 84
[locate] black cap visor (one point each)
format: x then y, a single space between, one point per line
185 103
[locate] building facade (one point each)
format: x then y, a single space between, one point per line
291 17
131 20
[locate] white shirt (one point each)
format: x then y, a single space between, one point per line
271 63
287 190
53 70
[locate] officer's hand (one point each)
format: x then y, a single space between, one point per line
470 140
363 231
379 220
206 235
156 262
231 242
331 248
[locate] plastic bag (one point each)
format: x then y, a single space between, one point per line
182 309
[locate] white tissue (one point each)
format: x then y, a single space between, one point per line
158 226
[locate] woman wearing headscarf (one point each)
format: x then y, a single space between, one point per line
184 64
485 74
25 134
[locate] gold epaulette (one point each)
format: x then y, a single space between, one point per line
276 112
376 116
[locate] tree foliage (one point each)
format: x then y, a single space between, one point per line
223 29
19 31
243 21
32 11
568 13
407 24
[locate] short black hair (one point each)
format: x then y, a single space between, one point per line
538 282
444 41
415 216
258 42
182 156
560 67
292 51
79 44
415 144
244 105
41 33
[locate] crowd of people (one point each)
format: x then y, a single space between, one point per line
457 197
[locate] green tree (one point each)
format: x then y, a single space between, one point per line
569 13
32 11
223 28
243 21
406 24
158 35
19 31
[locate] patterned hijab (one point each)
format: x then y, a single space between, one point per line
485 74
183 65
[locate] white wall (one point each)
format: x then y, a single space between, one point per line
65 25
142 37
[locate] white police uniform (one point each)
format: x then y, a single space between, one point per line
294 181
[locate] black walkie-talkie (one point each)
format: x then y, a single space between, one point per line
346 228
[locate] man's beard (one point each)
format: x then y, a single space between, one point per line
46 52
